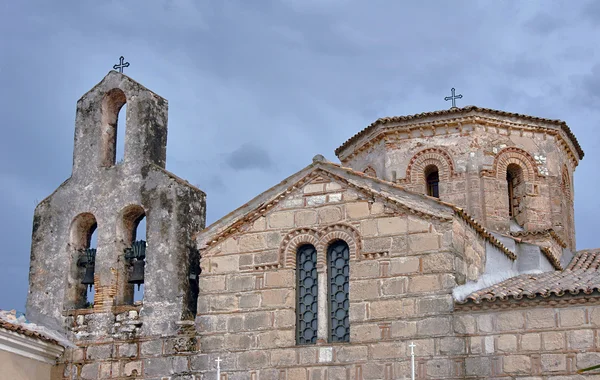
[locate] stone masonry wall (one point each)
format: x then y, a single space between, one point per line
532 340
400 291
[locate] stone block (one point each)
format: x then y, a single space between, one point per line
257 320
283 357
433 326
331 186
284 318
364 290
516 364
239 341
106 370
404 265
277 298
280 278
306 218
485 323
452 346
253 359
399 246
357 210
554 363
155 367
423 242
101 352
89 371
199 362
235 323
208 284
277 339
438 262
580 339
507 343
418 225
224 303
151 348
316 200
358 311
508 321
464 324
133 368
385 350
531 342
478 366
439 368
594 312
351 354
266 257
404 329
374 245
377 208
393 308
238 282
368 228
587 359
281 219
307 355
424 283
128 350
259 224
334 197
364 269
212 343
252 242
337 373
392 225
553 341
296 374
365 333
435 305
330 214
394 286
540 318
312 188
223 264
572 317
249 301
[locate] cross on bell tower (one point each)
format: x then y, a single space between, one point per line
453 98
121 65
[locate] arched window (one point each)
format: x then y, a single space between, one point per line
514 180
432 179
370 171
83 241
338 271
307 295
111 106
133 236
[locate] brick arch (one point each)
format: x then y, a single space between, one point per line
370 171
334 233
292 241
415 172
566 183
518 157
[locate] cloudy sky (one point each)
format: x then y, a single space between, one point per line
257 88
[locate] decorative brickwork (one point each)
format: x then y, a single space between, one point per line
415 172
515 156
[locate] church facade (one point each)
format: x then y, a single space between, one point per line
449 234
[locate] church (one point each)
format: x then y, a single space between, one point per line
447 234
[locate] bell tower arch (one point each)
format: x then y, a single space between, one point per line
112 198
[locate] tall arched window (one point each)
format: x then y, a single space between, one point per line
111 106
307 295
514 180
83 241
133 235
338 272
432 178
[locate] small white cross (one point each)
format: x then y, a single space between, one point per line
218 360
412 359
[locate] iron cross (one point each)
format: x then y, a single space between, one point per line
121 65
453 98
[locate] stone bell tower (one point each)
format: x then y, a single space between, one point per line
111 198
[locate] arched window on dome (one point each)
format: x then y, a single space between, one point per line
514 179
432 179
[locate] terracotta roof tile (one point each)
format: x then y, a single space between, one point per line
459 111
581 275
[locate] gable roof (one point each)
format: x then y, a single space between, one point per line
582 275
459 112
416 203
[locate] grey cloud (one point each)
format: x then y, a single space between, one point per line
249 156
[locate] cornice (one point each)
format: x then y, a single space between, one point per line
32 348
